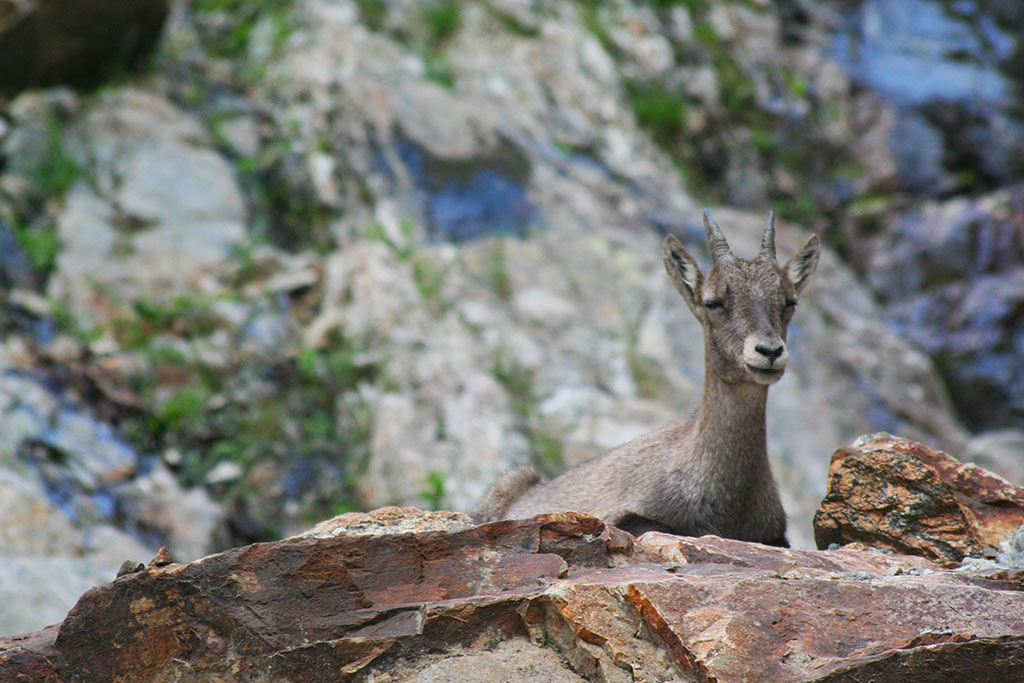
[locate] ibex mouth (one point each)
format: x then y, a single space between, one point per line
765 375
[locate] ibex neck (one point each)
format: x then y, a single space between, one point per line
730 425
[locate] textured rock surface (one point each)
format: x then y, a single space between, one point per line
263 272
560 598
951 276
68 41
160 209
893 493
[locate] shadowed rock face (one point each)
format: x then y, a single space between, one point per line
58 42
898 494
556 598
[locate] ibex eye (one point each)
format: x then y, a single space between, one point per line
791 304
714 305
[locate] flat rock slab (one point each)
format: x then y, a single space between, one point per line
560 597
893 493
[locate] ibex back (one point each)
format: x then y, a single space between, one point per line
709 474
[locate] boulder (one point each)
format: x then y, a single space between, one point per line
160 212
74 42
560 597
896 494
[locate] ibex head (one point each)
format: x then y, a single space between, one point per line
744 305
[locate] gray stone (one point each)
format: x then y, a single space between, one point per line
1000 451
163 208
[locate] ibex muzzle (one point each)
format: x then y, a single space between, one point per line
709 474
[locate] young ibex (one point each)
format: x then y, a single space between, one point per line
710 474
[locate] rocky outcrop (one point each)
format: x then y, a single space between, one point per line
76 42
950 275
561 598
896 494
266 274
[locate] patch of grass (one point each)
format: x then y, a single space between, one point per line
291 216
373 13
434 491
429 278
545 442
661 112
184 316
443 20
590 16
57 170
39 244
546 450
802 209
764 140
705 34
184 409
518 383
692 5
229 25
650 382
497 270
404 246
511 23
438 68
796 83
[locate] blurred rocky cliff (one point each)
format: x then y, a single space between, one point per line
295 258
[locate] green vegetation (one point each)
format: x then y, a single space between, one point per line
40 245
427 271
429 277
497 269
234 23
590 15
184 316
56 170
511 23
443 20
545 442
404 247
518 383
438 68
303 408
661 112
434 492
51 174
373 13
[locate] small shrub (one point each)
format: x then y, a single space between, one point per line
434 492
443 20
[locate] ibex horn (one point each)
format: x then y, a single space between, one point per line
716 240
768 241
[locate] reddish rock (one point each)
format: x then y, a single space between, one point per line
558 598
893 493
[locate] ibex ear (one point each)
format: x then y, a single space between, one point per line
682 270
802 265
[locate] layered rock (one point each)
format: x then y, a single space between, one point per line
303 189
896 494
562 598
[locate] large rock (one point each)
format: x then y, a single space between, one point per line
952 82
74 504
951 276
74 42
561 598
897 494
160 211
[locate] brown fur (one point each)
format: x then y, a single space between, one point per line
709 474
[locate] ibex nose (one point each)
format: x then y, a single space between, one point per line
769 352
